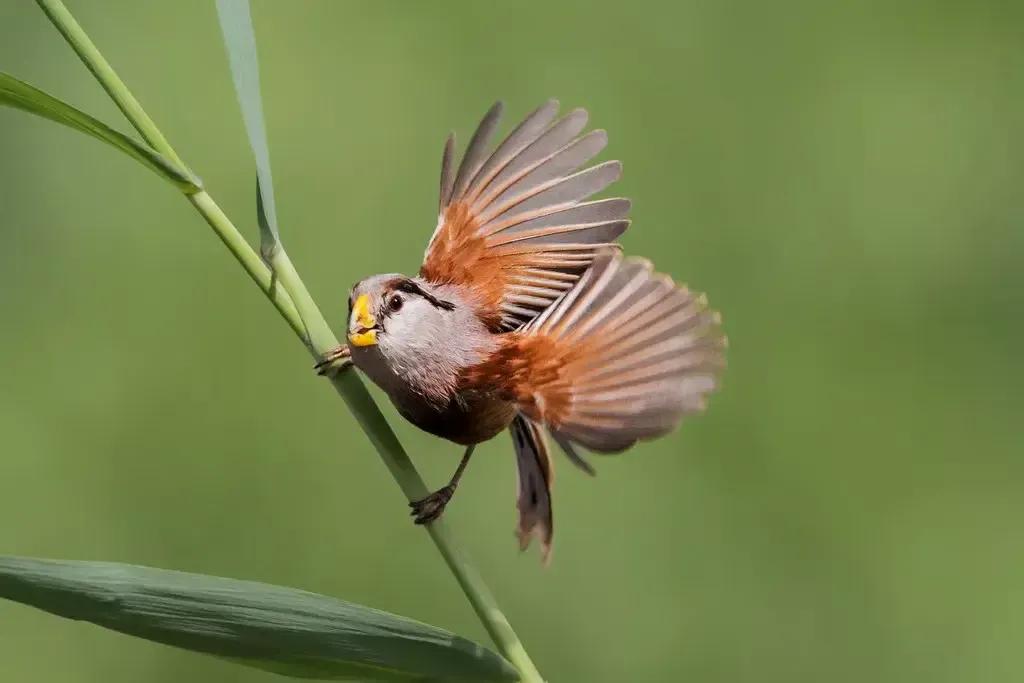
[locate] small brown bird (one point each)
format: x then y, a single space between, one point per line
524 315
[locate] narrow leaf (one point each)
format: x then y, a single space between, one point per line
274 628
240 42
21 95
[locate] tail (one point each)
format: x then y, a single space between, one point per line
620 358
535 479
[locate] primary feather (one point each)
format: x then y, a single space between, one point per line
512 225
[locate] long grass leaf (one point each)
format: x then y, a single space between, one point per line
284 630
240 43
21 95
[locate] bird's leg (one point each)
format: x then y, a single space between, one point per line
334 361
430 508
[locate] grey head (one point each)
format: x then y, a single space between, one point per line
413 338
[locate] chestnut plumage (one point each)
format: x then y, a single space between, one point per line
524 315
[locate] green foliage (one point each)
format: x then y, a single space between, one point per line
303 316
842 179
21 95
240 42
278 629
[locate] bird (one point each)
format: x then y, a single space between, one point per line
525 316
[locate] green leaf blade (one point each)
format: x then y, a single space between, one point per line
20 95
274 628
240 43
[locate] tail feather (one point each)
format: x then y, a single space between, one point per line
620 357
534 484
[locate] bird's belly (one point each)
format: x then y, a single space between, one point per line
469 420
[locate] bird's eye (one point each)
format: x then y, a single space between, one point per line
395 303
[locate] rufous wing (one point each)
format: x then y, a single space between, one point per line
513 225
622 357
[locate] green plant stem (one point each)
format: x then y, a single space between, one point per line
249 260
301 313
368 414
105 74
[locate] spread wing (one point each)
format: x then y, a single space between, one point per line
513 225
622 357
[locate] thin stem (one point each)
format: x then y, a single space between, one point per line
297 307
368 414
104 73
249 260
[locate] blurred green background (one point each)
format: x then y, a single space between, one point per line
844 182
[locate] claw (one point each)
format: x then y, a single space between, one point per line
430 508
339 354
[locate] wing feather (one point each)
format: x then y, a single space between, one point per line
519 139
447 174
586 213
514 226
473 159
603 371
533 155
555 194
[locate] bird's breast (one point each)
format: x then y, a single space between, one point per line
425 387
468 418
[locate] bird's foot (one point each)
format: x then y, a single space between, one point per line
430 508
334 361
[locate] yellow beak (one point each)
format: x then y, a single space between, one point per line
365 332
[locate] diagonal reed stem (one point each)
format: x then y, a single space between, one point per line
287 292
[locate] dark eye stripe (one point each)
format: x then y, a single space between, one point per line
410 287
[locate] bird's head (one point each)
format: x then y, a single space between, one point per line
389 310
